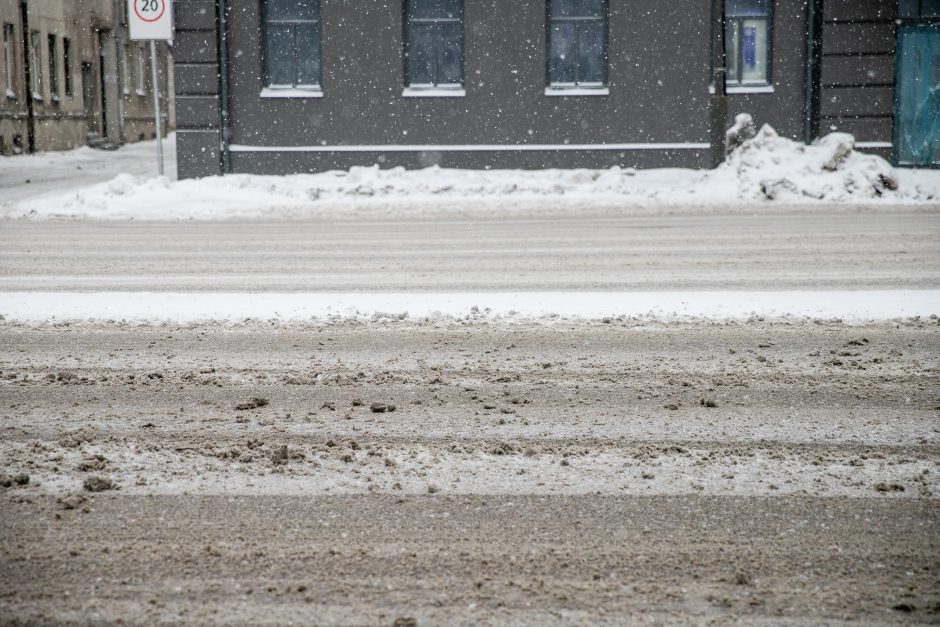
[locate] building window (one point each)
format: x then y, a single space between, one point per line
577 44
35 62
125 75
919 9
141 70
434 44
53 68
67 64
292 44
8 59
747 41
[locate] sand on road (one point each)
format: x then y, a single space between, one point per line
459 472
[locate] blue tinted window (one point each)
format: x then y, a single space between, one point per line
292 43
434 42
577 43
748 37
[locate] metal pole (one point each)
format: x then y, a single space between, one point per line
156 105
28 69
813 50
223 87
718 103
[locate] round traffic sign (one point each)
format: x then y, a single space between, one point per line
150 10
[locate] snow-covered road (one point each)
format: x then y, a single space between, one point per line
835 249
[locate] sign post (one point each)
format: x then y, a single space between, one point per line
152 20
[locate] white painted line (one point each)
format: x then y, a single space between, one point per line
189 307
467 147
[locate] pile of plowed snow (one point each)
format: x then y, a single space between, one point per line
776 168
764 168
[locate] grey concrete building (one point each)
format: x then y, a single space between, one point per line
70 76
279 86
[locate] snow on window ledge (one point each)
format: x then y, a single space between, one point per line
434 92
745 89
292 92
11 94
577 91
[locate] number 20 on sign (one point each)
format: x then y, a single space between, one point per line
150 19
149 10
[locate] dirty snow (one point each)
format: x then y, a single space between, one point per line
763 169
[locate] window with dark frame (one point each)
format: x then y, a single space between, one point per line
8 60
748 35
292 44
67 64
53 68
577 44
434 54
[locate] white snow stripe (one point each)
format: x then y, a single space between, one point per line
720 305
466 148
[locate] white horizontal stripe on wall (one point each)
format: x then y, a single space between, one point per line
467 148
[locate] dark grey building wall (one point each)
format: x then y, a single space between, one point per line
658 76
195 50
857 73
658 91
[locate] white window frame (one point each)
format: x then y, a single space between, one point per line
734 48
578 88
436 89
293 89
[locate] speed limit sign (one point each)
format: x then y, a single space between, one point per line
150 19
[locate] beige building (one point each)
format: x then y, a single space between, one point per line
69 76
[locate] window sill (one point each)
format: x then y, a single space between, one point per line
55 99
434 92
291 92
745 89
577 91
141 92
37 97
10 94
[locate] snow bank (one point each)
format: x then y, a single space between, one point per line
764 168
185 307
776 168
